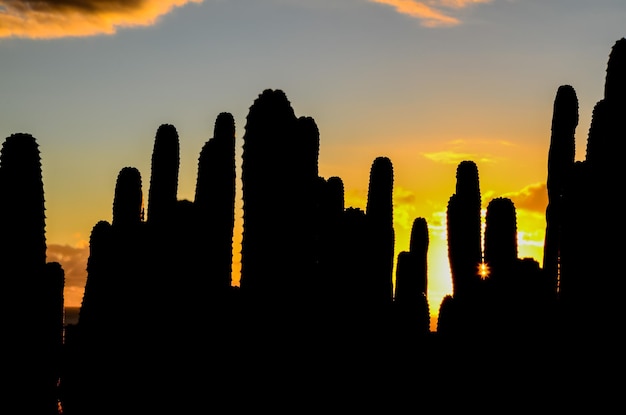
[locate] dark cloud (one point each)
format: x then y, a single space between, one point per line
45 19
81 6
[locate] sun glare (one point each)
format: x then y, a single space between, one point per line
483 270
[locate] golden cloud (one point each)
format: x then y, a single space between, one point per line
532 198
73 260
453 157
429 12
48 19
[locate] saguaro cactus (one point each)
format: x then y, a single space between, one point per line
278 151
464 230
32 290
128 199
215 203
410 300
379 213
22 212
560 163
164 175
599 176
412 268
500 237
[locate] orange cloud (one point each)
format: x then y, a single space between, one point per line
73 260
533 198
429 16
429 12
48 19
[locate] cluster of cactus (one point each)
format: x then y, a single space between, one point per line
338 257
163 282
495 293
411 287
464 230
171 269
585 254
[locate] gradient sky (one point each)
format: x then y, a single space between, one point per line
426 83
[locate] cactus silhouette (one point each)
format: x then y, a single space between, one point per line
500 237
379 212
22 205
410 299
164 175
99 288
464 230
587 249
331 259
411 276
128 199
561 156
279 170
215 203
33 289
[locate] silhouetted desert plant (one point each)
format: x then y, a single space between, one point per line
162 194
500 243
22 209
128 198
32 300
279 171
561 155
379 212
215 205
464 230
411 308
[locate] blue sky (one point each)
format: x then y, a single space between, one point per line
426 83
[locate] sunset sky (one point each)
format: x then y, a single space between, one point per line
426 83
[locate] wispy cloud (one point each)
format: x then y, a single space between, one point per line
47 19
431 13
453 157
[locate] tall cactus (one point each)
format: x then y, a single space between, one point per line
278 152
500 237
22 211
560 163
410 299
99 286
464 230
379 212
162 194
215 202
29 284
128 199
412 267
601 175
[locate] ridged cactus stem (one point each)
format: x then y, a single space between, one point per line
561 157
379 213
